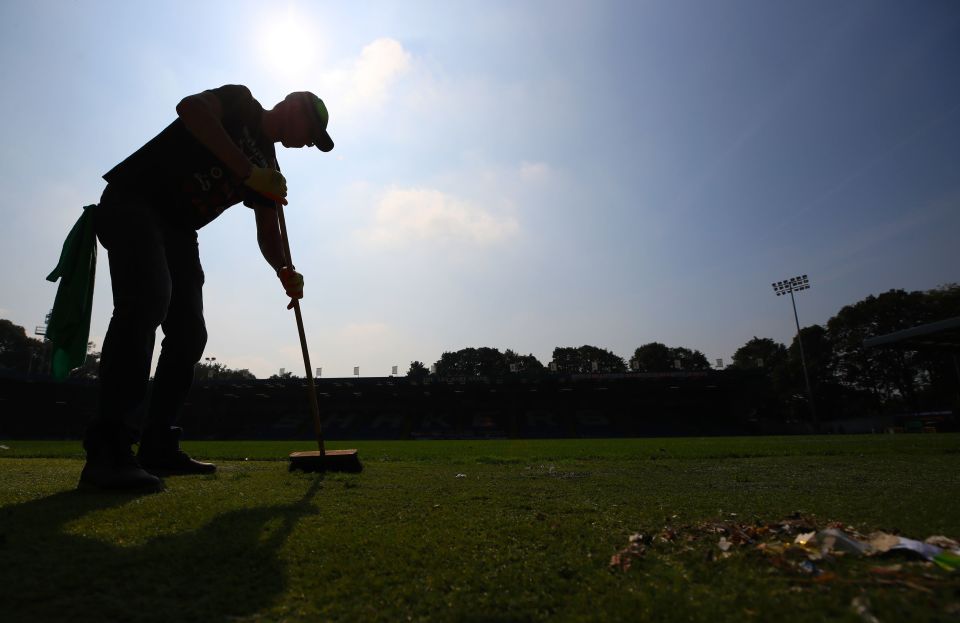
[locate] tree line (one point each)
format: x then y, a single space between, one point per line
491 363
848 379
844 376
22 354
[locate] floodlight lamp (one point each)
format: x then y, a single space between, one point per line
791 285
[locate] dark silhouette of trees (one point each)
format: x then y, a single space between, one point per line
892 373
485 362
219 372
653 357
845 376
91 365
818 351
848 378
417 371
882 371
581 360
657 357
472 362
18 351
527 364
690 360
760 352
286 376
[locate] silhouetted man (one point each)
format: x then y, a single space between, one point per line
217 153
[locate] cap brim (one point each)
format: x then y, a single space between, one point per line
323 142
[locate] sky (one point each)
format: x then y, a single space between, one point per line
519 174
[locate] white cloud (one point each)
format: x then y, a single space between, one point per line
366 82
379 66
534 171
406 215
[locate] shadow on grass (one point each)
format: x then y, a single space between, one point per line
227 569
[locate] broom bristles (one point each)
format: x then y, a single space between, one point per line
330 461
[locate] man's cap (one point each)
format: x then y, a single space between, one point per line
321 118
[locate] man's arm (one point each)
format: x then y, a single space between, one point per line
271 245
202 114
268 237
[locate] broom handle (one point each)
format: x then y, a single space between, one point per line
314 406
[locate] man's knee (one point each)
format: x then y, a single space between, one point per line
145 311
199 342
186 340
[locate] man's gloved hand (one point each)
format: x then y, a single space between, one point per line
292 282
268 182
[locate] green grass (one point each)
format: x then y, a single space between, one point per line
526 534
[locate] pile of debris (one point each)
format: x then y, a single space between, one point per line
795 544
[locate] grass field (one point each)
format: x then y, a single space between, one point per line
483 531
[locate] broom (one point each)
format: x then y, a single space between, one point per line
321 459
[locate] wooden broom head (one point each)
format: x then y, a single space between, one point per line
329 461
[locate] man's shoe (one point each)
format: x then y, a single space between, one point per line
117 471
161 454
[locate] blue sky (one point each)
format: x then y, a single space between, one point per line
517 175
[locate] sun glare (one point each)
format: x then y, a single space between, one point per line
288 45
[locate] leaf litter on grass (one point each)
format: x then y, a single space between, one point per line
805 550
550 471
635 549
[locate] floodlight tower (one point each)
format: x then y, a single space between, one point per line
796 284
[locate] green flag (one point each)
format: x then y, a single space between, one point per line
69 325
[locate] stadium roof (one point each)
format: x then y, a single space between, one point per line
941 335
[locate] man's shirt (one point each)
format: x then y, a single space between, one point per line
184 180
